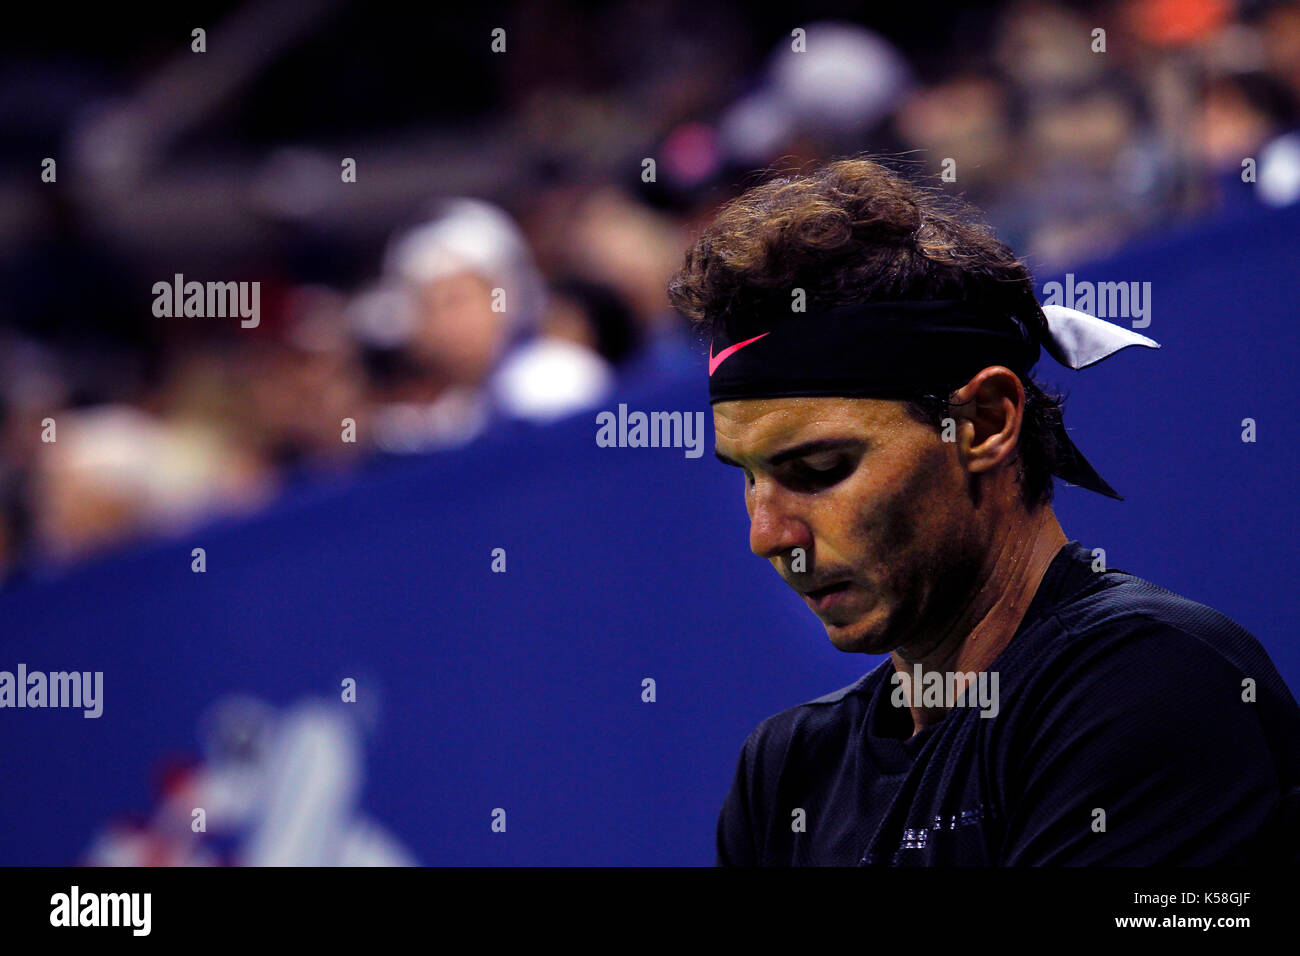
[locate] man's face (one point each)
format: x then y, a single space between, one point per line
459 333
878 502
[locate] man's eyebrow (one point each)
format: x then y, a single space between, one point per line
800 450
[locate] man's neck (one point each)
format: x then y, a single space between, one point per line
1012 578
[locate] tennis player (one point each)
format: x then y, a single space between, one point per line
869 372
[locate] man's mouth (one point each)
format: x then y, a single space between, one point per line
822 592
824 598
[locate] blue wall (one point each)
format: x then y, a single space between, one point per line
523 690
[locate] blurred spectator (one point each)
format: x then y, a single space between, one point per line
594 316
467 305
1240 117
608 238
115 472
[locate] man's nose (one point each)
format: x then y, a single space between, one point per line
773 528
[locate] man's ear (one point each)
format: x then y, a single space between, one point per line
990 409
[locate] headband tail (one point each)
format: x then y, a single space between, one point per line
1071 466
1077 339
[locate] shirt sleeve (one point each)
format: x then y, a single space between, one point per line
735 835
1137 750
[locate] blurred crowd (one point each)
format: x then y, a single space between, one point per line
530 299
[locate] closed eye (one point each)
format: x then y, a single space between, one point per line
821 474
821 466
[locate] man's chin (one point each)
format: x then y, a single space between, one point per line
863 635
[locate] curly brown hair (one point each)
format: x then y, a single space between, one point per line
853 230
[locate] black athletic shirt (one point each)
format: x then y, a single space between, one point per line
1114 695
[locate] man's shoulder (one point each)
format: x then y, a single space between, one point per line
1130 644
1123 607
819 717
1121 593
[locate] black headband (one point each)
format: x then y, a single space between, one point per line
869 350
893 349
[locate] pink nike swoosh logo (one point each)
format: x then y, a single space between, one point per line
715 361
